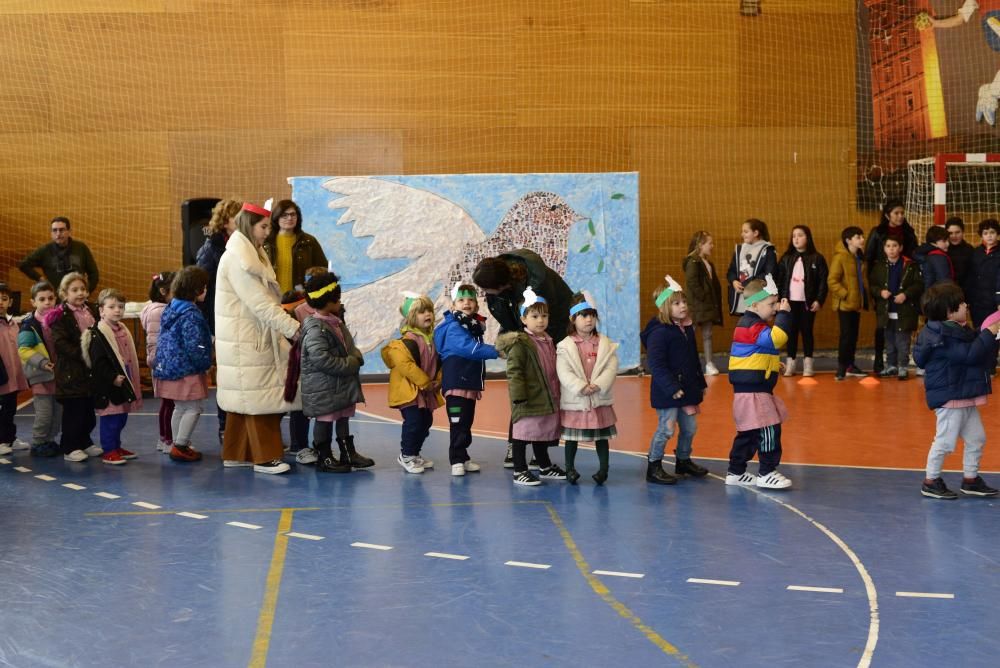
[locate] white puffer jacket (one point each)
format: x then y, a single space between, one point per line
251 332
572 378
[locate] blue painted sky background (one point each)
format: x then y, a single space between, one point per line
609 267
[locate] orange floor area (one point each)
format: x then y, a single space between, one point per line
882 424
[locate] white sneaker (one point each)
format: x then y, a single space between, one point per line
711 370
426 463
5 449
18 444
274 466
807 367
163 446
789 366
745 479
410 464
458 469
773 480
76 456
472 467
306 456
94 451
235 464
920 371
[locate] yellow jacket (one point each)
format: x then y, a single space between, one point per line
406 378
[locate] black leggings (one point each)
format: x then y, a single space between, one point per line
541 448
848 344
802 322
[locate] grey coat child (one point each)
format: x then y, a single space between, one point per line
330 378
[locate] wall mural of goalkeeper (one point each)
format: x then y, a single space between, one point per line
988 12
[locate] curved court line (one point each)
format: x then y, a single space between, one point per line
601 590
265 620
872 594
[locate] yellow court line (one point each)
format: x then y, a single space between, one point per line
262 641
601 590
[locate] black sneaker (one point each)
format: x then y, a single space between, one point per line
508 460
937 490
525 478
854 372
840 376
552 473
688 467
977 487
47 449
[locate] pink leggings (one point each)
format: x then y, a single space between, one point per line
166 413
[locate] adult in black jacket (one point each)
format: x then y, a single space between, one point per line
891 223
504 278
959 250
802 274
303 249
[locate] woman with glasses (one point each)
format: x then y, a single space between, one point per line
291 250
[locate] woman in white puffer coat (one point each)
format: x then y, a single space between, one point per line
251 347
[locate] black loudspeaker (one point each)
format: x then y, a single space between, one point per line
195 214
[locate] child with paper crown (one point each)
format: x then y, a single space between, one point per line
678 384
414 379
754 367
533 384
459 341
587 363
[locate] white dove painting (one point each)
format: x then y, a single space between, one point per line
388 234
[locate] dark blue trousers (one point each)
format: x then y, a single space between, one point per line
111 431
416 426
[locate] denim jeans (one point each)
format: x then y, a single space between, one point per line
669 420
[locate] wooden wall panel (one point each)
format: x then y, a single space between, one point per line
113 113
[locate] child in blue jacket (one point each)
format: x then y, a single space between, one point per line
678 384
459 342
956 360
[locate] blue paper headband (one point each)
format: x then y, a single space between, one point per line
582 306
538 300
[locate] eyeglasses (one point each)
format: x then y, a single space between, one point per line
289 214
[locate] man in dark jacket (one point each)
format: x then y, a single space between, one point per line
60 257
504 278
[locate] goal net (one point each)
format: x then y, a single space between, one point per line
966 185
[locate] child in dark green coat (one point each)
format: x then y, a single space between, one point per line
896 284
533 384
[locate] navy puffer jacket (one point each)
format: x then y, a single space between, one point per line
672 360
956 360
184 347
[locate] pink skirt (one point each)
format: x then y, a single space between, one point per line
336 415
756 410
188 388
538 428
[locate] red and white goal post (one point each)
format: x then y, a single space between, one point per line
966 185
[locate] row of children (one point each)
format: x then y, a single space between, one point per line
861 275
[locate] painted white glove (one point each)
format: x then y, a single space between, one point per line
986 106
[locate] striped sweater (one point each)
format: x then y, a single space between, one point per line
754 361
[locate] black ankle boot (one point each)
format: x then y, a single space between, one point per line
656 475
600 476
688 467
572 476
349 454
327 463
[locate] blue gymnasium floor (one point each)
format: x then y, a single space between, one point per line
95 581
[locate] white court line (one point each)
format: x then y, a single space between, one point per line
922 594
445 555
724 583
4 460
243 525
73 486
147 506
107 495
307 536
527 564
46 478
194 516
22 469
30 401
619 574
372 546
821 590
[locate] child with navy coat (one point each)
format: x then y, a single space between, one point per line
678 384
935 264
459 341
956 360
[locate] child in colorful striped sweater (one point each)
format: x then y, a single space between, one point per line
754 367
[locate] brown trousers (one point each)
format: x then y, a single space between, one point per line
252 438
